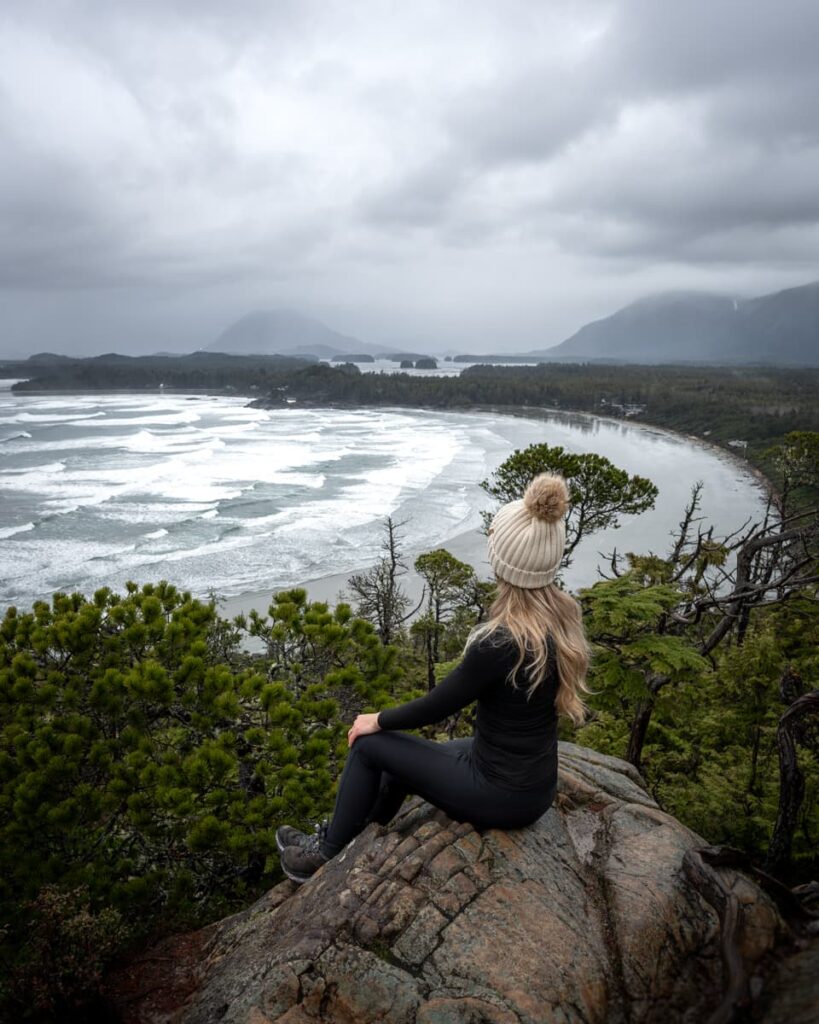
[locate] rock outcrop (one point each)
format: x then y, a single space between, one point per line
604 911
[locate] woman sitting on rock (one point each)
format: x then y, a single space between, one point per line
525 666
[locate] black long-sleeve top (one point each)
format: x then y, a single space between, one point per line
515 740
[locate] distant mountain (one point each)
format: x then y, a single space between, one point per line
286 332
49 357
781 328
786 324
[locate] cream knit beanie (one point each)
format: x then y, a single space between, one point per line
527 537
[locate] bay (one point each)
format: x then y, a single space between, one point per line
98 489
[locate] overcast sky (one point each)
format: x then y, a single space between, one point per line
476 176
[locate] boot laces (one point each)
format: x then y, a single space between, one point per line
313 844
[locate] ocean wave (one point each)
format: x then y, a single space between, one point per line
148 442
32 476
168 419
232 539
50 417
149 513
23 435
11 531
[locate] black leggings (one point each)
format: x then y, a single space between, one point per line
382 768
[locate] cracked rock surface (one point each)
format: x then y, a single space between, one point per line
585 916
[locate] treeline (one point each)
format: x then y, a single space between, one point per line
199 371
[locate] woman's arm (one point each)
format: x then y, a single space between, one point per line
482 665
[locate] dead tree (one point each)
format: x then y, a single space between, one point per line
794 728
724 580
380 597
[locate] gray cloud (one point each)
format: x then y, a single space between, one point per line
469 176
532 116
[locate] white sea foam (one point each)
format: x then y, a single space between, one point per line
239 498
166 419
49 417
150 441
12 531
148 512
31 478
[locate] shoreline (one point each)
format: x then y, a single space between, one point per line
469 546
541 412
523 412
738 460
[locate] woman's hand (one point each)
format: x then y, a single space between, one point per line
362 725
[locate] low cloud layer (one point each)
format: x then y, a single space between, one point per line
464 176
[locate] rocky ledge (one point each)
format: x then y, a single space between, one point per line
605 910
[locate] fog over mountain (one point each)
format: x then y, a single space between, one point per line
284 331
782 328
422 176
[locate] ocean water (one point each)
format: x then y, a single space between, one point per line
215 496
443 369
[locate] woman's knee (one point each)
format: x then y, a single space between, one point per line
365 741
365 745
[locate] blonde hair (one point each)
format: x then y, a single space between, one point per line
529 616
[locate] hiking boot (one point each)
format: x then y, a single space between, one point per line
301 862
286 835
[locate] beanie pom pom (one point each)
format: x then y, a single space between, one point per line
547 497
